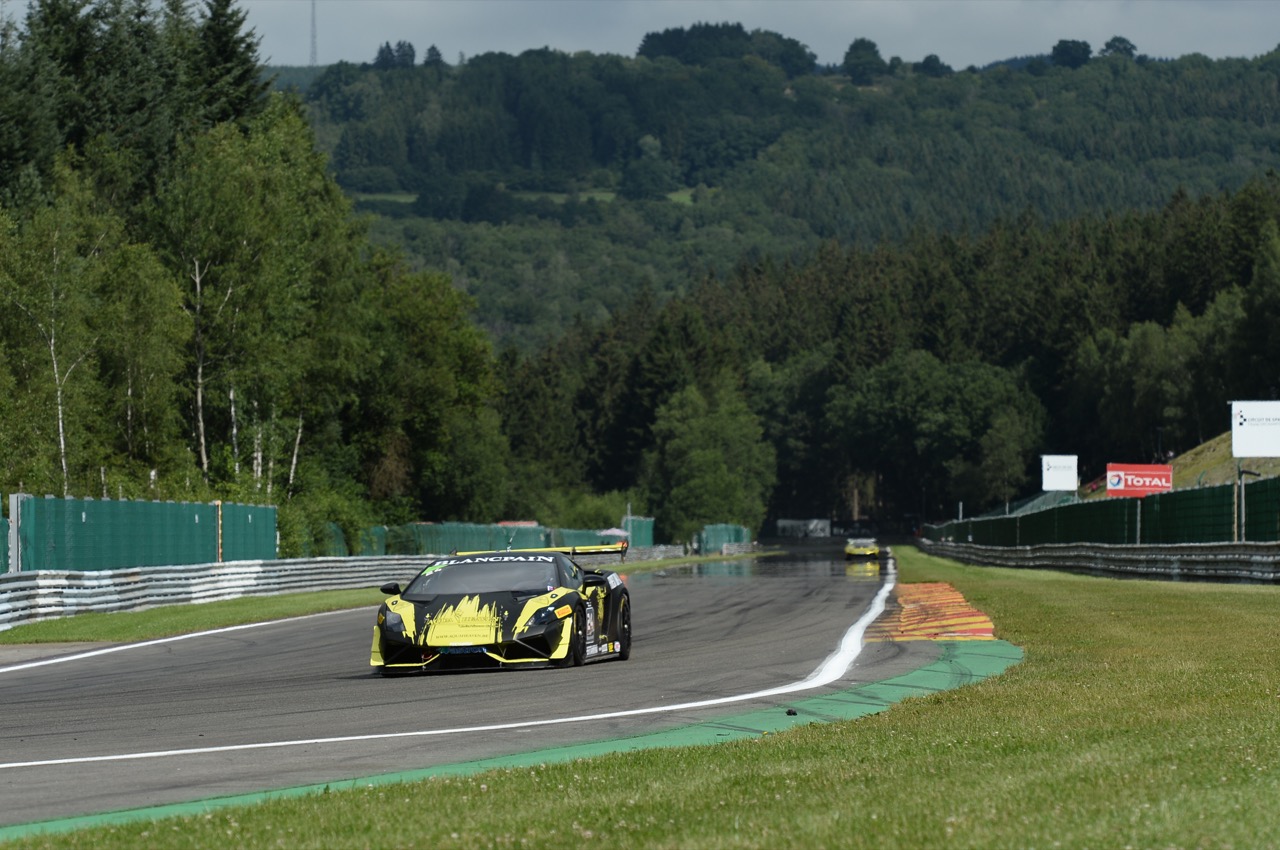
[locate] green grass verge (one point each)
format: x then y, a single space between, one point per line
1145 714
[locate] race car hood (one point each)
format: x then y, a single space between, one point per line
474 619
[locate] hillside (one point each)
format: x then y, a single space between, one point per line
721 288
553 186
1211 463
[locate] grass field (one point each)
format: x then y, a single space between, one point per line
1145 714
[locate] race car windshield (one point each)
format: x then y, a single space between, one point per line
515 576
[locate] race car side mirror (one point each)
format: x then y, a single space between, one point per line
391 588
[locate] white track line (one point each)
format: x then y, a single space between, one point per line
107 650
829 671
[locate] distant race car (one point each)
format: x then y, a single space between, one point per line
861 548
527 608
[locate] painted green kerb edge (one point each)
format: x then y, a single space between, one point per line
961 663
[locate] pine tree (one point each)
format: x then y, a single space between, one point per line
230 77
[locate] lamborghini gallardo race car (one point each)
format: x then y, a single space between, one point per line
528 608
861 549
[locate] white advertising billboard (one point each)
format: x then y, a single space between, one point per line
1058 472
1255 429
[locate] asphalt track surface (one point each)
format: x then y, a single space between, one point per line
294 702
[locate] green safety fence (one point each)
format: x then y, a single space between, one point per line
1204 515
327 541
248 532
713 538
582 537
641 530
1099 521
373 541
1220 514
87 534
440 538
1260 510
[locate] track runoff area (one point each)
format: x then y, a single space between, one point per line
964 650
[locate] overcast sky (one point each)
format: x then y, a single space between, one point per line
960 32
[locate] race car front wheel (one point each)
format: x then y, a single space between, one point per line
577 654
624 629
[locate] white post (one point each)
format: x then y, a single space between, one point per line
15 538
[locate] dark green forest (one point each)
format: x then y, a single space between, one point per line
550 186
713 281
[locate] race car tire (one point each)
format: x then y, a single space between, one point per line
624 629
578 649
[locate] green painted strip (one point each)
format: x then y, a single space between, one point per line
961 663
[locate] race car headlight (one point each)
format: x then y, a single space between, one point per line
390 621
550 614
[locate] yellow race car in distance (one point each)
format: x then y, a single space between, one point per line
861 549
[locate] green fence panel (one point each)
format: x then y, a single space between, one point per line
1202 515
334 542
523 537
582 537
400 540
1100 521
1260 505
713 538
4 545
373 541
998 531
84 534
441 538
249 533
641 528
88 534
576 537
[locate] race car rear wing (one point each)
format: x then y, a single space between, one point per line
619 548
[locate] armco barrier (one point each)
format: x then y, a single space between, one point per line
47 594
1217 561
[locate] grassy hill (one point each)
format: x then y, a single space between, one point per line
1211 463
1207 465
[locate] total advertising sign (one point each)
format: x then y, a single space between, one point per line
1138 479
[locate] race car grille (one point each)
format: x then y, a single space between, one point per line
458 634
468 622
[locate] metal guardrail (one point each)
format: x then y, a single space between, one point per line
47 594
1258 562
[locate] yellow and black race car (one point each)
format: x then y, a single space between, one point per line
527 608
861 549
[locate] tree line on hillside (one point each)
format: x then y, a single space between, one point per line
188 307
903 379
191 310
538 178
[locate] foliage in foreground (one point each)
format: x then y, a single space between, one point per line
1143 715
